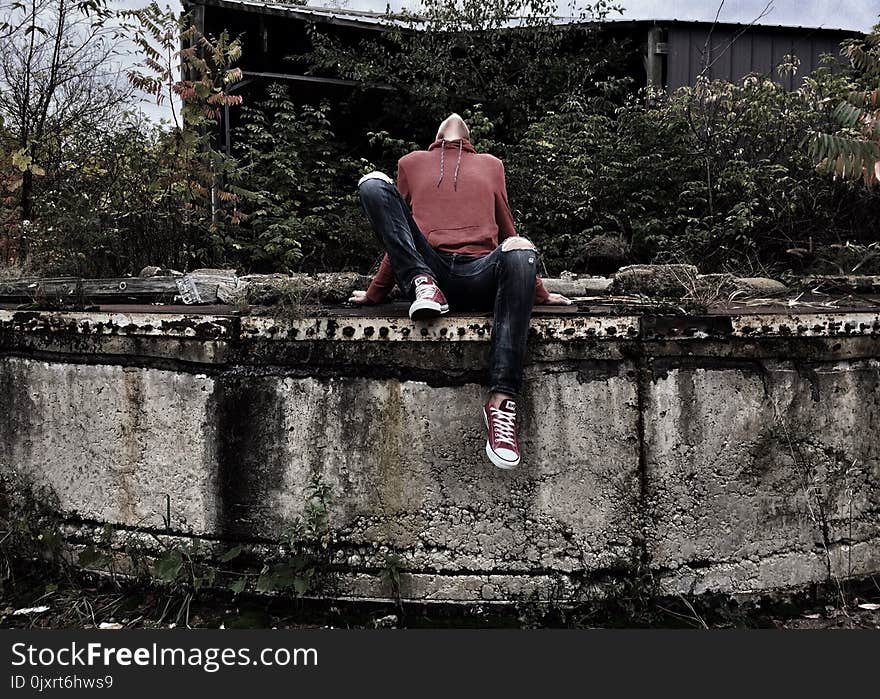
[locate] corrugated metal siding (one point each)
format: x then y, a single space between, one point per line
757 50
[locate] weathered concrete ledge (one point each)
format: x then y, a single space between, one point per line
733 452
211 286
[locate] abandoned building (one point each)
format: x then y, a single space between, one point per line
665 53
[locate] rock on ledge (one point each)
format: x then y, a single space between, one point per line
669 281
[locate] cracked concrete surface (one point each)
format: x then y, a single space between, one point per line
710 459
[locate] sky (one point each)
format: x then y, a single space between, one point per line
860 15
846 14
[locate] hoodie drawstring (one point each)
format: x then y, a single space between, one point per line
443 163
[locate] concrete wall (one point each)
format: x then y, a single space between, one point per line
726 453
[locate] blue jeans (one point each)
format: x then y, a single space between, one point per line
502 281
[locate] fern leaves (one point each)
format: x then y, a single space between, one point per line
853 151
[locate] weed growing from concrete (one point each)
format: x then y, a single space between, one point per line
818 506
304 561
30 530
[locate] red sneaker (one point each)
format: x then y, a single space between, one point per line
502 446
430 301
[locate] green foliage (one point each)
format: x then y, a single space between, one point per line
112 205
302 565
30 530
714 175
91 557
719 174
296 574
231 554
169 565
391 571
57 85
303 201
313 528
852 150
512 56
201 173
113 194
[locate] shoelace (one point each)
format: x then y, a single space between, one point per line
424 290
504 425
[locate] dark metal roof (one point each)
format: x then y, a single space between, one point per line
357 18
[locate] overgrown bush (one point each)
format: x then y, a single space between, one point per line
302 206
111 206
96 190
512 56
717 174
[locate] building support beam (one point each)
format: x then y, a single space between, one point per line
655 58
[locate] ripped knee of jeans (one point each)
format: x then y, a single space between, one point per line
519 257
517 243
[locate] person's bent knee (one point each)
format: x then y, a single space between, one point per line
374 179
517 243
525 259
373 184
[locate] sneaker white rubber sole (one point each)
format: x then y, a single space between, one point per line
421 309
496 460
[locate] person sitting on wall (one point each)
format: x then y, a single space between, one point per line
441 227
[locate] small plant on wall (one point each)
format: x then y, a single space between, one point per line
303 564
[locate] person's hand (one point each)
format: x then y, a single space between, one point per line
358 298
558 300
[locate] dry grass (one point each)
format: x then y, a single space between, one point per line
702 292
11 271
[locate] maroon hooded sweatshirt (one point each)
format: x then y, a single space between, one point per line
458 199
